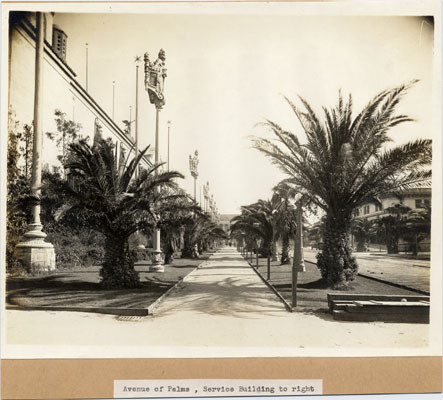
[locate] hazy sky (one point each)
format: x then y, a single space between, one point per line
226 73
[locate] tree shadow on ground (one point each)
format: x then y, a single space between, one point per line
69 292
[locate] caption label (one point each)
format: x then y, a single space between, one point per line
215 388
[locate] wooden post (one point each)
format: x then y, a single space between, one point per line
294 274
269 267
256 258
297 263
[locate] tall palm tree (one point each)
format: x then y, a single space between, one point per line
256 222
361 229
174 216
392 226
343 164
200 231
115 203
284 216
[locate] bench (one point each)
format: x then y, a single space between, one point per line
385 308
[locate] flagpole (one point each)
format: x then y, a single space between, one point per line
86 66
113 99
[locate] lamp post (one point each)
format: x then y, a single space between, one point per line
155 74
137 64
36 254
193 167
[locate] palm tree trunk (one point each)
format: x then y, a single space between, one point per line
391 241
118 268
335 260
169 250
188 246
285 250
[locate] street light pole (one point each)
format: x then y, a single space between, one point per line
36 254
155 74
137 62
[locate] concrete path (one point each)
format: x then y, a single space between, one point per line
222 305
411 273
226 285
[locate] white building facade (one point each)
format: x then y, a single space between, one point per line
61 89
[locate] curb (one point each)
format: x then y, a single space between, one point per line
274 290
117 311
399 285
132 312
395 284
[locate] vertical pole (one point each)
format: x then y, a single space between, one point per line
86 66
157 155
195 189
298 262
294 274
156 236
36 179
269 266
169 125
256 258
35 253
73 109
130 121
113 99
136 119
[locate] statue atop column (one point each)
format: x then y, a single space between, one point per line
193 165
97 131
155 74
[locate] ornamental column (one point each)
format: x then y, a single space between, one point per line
193 167
155 74
36 254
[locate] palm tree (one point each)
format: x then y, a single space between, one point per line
115 203
256 222
176 214
284 216
392 226
418 226
343 164
361 229
200 231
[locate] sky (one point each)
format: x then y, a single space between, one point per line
228 73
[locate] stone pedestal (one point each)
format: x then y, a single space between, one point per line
157 254
37 255
157 262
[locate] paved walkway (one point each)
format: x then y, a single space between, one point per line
222 309
411 273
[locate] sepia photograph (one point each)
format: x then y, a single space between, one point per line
220 180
